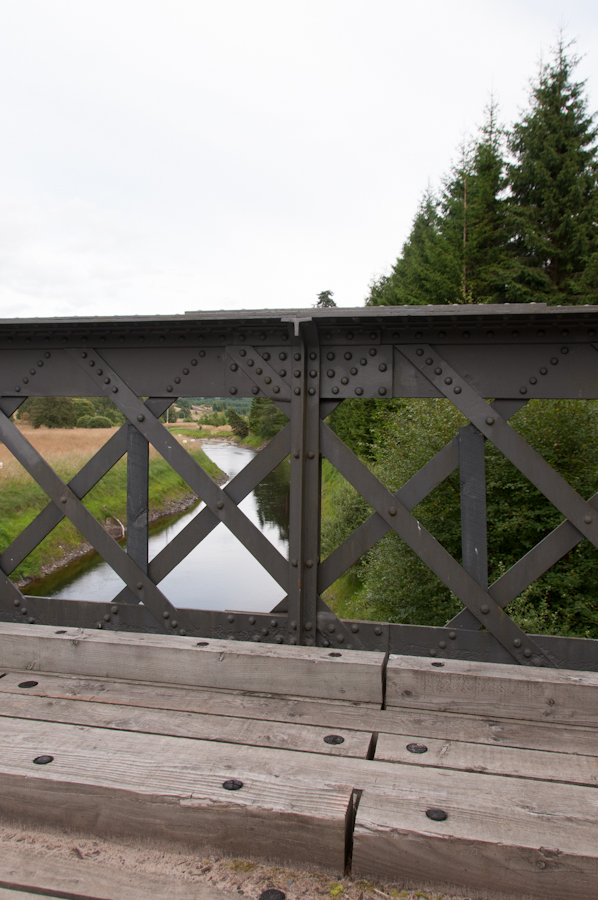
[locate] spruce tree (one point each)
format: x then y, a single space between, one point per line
554 192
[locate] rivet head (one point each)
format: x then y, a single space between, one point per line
373 351
139 585
438 371
276 390
417 748
115 390
233 390
485 609
541 864
517 642
457 390
429 361
340 638
437 815
230 619
554 361
359 391
43 760
419 351
543 371
63 499
564 350
169 388
308 626
523 390
378 630
344 380
140 417
527 653
311 391
308 563
234 367
353 371
331 629
453 635
442 645
448 380
243 352
255 389
297 391
533 380
252 620
335 390
588 519
382 391
84 355
392 511
220 504
310 454
106 618
267 379
490 420
233 784
174 623
114 610
354 628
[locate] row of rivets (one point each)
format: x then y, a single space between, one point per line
32 371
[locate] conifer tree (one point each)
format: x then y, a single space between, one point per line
554 191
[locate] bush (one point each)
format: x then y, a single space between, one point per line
99 422
83 421
83 407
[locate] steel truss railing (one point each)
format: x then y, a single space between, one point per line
307 362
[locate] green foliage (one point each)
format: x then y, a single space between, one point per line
52 412
100 422
325 300
213 418
83 407
83 421
520 230
238 425
400 587
354 422
554 190
265 419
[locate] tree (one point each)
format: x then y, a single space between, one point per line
265 419
53 412
554 191
400 587
238 425
458 240
325 299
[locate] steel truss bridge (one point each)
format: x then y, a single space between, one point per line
307 362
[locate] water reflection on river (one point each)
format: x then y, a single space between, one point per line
220 573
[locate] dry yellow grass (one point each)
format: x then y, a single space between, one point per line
65 449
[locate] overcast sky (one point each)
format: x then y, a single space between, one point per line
158 157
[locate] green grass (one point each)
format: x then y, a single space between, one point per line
21 499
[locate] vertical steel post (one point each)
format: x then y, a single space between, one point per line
137 496
472 468
304 518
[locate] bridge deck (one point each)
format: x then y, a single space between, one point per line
437 774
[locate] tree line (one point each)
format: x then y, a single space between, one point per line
515 220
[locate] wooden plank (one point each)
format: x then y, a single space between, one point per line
268 707
24 895
502 836
335 714
489 689
460 755
226 729
89 880
231 665
171 789
488 730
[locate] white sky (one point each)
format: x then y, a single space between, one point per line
158 157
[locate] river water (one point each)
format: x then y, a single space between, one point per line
219 573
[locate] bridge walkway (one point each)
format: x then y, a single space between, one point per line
448 775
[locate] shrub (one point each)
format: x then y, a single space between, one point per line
83 421
99 422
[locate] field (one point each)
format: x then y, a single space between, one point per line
67 450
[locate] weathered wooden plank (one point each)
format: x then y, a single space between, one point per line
460 755
172 789
502 836
89 880
226 729
488 730
489 689
269 707
231 665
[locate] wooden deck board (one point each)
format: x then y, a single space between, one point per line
226 729
512 757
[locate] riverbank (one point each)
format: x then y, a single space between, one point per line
21 499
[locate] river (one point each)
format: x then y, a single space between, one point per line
219 573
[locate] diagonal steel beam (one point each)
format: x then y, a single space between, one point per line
529 568
432 553
237 489
183 463
410 495
89 526
81 484
494 427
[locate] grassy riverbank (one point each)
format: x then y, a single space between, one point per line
21 499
